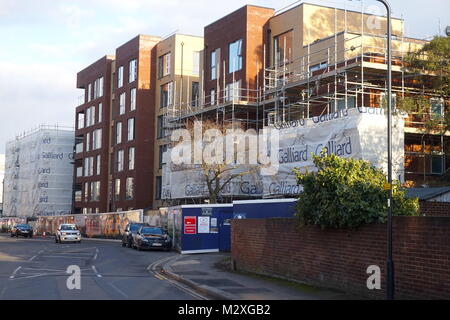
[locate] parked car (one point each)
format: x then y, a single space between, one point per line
152 238
68 233
22 230
130 230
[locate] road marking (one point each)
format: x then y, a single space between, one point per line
65 257
2 293
118 290
32 258
14 273
96 272
152 268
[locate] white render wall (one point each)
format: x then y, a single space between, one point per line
39 174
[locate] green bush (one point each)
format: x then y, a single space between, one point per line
346 193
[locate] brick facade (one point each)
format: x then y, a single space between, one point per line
338 259
435 209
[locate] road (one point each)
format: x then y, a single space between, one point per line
36 269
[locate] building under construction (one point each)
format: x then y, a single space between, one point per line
308 62
39 173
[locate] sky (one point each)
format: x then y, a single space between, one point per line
45 43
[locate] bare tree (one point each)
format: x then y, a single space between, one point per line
219 173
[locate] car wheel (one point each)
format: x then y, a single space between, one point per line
12 235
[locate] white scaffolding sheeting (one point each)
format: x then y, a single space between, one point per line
39 174
358 133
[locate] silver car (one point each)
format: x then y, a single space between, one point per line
68 233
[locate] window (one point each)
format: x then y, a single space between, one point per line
437 107
86 167
122 103
213 97
164 65
78 196
91 166
437 165
88 117
117 189
351 101
318 66
99 165
88 142
79 171
89 92
100 112
100 87
232 91
160 127
132 71
119 132
97 139
131 156
133 99
80 120
158 188
282 48
92 121
166 95
130 128
95 191
383 100
196 63
235 56
120 160
86 191
214 64
120 77
162 150
92 191
95 89
129 189
195 94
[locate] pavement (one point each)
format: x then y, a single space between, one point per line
36 269
211 276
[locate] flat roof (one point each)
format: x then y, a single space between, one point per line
280 12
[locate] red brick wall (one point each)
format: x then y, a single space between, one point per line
339 259
435 209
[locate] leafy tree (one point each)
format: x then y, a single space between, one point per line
429 69
346 193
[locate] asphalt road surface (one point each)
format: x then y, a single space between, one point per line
36 269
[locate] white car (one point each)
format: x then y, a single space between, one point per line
68 233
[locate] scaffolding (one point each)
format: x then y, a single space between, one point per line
343 71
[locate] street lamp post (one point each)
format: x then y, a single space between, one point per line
390 287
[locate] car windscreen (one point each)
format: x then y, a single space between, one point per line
23 226
68 228
135 227
157 231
